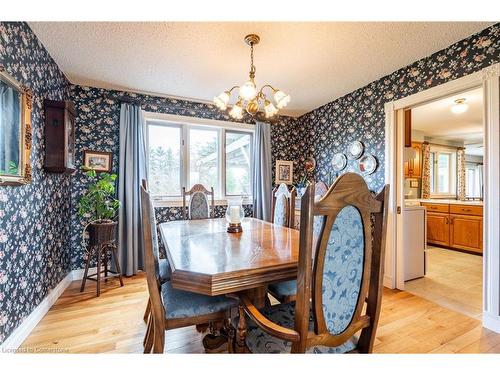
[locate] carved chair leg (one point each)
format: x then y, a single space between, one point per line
231 333
241 332
159 338
148 330
148 310
149 337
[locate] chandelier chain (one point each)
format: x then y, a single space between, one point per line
252 67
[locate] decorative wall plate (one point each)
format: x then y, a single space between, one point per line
367 164
355 150
339 162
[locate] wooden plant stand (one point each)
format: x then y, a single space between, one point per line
102 247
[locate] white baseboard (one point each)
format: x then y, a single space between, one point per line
78 274
20 334
389 282
492 322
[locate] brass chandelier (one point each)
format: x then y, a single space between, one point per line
248 97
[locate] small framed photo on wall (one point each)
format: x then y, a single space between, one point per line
284 172
98 160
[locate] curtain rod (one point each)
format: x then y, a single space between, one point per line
129 100
136 101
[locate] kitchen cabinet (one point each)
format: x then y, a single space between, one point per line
466 232
457 226
413 166
438 229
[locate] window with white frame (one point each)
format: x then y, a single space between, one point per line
474 180
183 154
443 168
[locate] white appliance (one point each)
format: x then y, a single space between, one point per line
415 241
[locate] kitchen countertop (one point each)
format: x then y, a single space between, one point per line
443 201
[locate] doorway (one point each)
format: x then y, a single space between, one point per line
487 81
443 201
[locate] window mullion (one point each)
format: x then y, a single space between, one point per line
222 163
185 157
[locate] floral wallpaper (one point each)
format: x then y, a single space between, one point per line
34 218
97 128
360 114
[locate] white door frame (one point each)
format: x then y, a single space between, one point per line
488 79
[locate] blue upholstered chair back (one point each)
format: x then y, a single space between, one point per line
198 206
283 202
343 269
280 211
340 262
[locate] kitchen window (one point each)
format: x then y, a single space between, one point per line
443 167
182 153
474 180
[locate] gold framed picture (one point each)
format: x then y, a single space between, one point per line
284 172
15 131
98 160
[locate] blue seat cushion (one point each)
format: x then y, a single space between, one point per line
164 268
181 304
283 288
259 341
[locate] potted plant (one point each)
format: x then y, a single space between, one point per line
99 207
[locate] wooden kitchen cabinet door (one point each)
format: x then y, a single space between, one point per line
466 232
438 229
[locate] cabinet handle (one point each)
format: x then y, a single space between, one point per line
446 220
434 207
466 210
451 221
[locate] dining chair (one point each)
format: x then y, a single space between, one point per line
320 189
163 265
339 291
283 203
198 207
172 308
285 291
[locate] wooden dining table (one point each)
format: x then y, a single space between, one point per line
206 259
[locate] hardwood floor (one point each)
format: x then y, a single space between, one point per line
454 280
112 323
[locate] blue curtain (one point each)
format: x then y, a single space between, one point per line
132 171
261 171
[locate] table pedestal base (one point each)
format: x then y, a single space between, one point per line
219 338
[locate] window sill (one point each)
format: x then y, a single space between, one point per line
176 202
